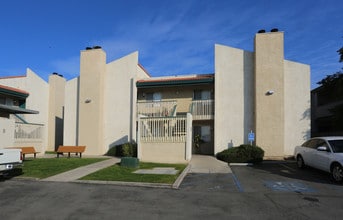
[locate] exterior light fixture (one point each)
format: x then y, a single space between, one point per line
88 101
270 92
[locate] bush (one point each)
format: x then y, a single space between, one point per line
111 151
123 150
241 154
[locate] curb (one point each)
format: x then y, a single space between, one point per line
179 180
121 183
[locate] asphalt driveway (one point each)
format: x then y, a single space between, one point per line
266 191
265 177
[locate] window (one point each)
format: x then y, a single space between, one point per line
202 95
2 100
156 96
337 146
204 132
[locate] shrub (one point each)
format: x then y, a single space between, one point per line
241 154
123 150
111 151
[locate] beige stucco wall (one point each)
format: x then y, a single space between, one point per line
163 152
297 105
233 97
70 136
6 132
269 109
91 102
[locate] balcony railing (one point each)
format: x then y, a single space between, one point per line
156 108
202 109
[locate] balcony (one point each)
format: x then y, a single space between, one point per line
202 109
156 108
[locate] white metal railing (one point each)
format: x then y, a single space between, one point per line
202 109
163 129
156 108
28 131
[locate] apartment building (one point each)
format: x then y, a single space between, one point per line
173 117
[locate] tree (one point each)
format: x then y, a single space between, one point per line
332 91
340 51
333 84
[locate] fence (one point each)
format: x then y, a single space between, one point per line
165 139
28 131
202 109
163 129
156 108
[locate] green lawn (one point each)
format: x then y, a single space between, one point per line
118 173
45 167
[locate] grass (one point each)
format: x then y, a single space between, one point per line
118 173
45 167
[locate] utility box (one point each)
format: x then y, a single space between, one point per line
130 162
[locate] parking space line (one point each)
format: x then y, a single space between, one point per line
288 167
237 183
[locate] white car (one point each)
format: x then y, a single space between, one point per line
323 153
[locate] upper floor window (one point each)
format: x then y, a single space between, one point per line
202 95
2 100
156 96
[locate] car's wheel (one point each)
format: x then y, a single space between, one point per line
300 162
337 172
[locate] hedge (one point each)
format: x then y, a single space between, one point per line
241 154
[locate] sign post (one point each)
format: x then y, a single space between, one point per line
251 137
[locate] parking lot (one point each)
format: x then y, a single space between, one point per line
266 177
265 191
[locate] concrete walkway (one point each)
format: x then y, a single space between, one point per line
198 164
208 164
77 173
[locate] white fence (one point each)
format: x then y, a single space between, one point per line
156 108
25 131
163 129
202 109
165 139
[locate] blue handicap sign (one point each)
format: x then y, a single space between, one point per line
251 136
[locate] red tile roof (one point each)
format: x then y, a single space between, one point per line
10 77
178 78
13 89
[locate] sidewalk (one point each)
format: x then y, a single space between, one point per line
198 164
77 173
208 164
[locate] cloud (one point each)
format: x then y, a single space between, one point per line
69 67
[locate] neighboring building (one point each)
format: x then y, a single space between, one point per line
117 102
12 123
326 112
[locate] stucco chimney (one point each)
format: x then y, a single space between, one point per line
91 99
269 76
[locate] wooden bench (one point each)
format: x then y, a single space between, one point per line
70 149
27 150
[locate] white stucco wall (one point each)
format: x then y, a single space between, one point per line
233 96
297 105
38 100
120 100
70 113
6 132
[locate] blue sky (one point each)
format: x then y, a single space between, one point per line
173 37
